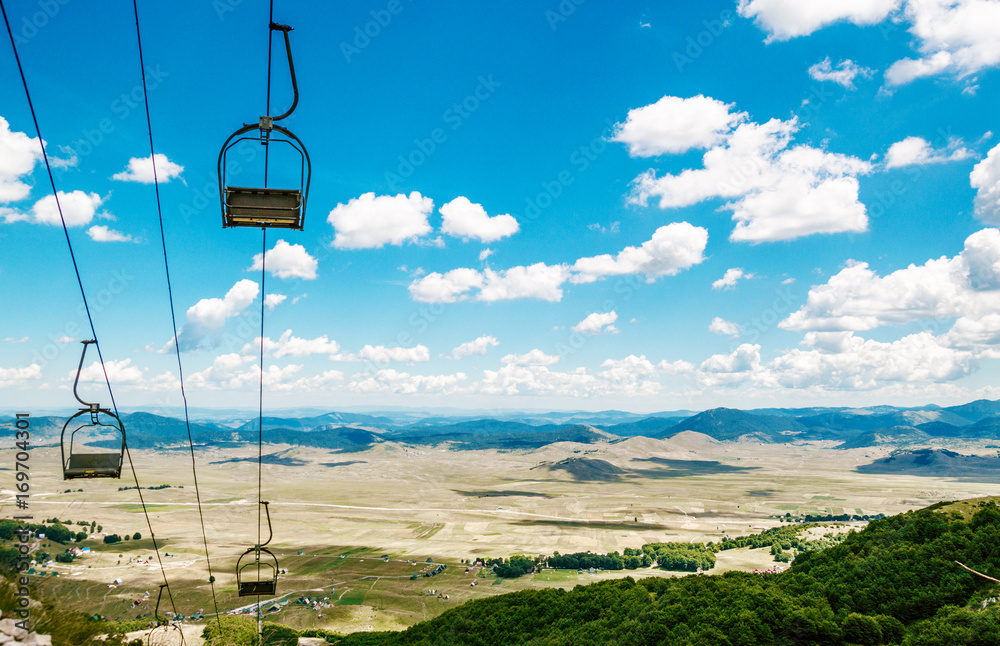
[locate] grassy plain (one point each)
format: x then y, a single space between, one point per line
333 524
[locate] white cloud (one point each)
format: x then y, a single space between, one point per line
720 325
672 248
119 373
286 261
382 354
368 221
12 339
781 192
954 36
271 301
786 19
674 125
78 209
985 178
917 151
391 381
464 219
445 288
477 347
288 345
730 369
730 278
856 298
843 361
485 253
534 281
140 169
212 313
18 155
101 233
10 377
596 322
533 358
844 74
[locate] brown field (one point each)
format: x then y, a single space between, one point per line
345 511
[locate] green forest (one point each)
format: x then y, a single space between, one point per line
898 581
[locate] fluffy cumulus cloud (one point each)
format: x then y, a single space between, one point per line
785 19
539 281
464 219
373 221
985 178
720 325
918 151
274 300
674 125
140 169
382 354
843 74
286 261
953 36
730 278
101 233
597 322
730 369
210 314
18 155
533 358
857 298
289 345
119 372
672 248
10 377
78 209
392 381
777 191
477 347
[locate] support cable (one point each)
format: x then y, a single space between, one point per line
83 293
173 316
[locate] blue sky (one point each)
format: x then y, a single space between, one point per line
642 206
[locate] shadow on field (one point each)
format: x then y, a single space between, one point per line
501 494
594 470
343 464
596 524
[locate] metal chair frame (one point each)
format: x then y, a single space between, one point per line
164 632
262 558
90 465
267 207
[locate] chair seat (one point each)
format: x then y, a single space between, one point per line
263 207
93 465
258 588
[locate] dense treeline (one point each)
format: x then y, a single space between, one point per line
895 581
680 557
586 560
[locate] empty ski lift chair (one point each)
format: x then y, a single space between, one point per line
249 581
280 208
164 633
84 461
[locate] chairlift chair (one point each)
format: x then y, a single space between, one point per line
262 559
282 208
85 462
164 633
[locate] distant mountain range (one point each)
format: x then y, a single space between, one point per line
348 432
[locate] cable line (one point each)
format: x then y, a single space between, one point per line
83 293
173 316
